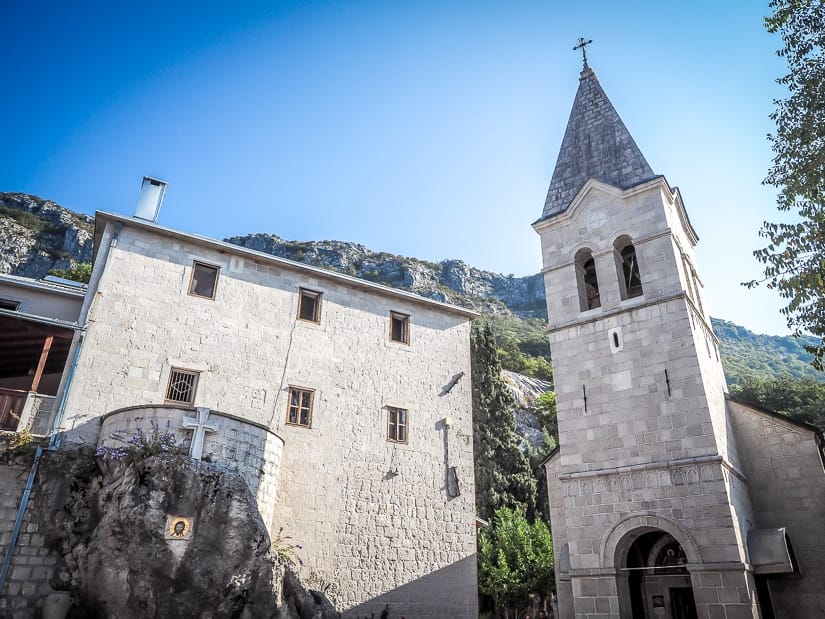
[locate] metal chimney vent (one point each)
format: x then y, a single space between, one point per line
152 192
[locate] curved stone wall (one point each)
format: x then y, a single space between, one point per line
232 443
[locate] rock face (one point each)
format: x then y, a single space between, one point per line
452 281
37 235
525 390
118 560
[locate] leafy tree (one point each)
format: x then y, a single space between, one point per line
503 476
803 400
80 272
522 344
515 560
795 256
545 407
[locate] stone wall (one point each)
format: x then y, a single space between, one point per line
32 564
787 486
636 413
373 516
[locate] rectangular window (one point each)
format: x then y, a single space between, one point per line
8 304
309 305
182 385
396 424
299 411
399 327
204 280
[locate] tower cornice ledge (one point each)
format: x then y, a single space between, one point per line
672 195
625 306
651 466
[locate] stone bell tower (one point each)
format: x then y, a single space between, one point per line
649 506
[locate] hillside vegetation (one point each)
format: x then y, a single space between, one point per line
748 355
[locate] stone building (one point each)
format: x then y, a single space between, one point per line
345 405
668 498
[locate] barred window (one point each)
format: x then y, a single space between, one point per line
182 385
299 410
396 424
204 280
309 305
399 327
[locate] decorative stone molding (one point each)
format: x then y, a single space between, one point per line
625 532
661 476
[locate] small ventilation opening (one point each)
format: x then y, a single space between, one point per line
615 339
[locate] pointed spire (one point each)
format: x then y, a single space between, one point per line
596 145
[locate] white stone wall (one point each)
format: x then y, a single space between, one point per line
785 473
631 417
382 537
645 439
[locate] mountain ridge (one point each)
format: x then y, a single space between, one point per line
38 235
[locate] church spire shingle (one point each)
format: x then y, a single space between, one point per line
596 145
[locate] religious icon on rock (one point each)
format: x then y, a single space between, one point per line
178 527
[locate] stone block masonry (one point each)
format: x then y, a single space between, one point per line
381 518
32 564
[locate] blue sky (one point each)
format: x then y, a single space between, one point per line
428 129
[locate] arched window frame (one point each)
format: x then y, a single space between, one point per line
627 268
587 280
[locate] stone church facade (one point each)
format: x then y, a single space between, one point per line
668 498
344 404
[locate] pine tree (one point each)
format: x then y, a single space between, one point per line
503 476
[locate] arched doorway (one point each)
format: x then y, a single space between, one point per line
657 581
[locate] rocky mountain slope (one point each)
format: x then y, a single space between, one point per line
38 235
452 281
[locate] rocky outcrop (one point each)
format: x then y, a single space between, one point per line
525 390
452 281
37 235
112 535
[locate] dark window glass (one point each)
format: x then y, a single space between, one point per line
396 424
299 411
399 328
309 305
204 280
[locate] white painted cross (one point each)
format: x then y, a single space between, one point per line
199 429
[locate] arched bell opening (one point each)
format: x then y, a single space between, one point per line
653 580
627 267
587 281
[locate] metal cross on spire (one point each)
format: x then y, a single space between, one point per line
583 46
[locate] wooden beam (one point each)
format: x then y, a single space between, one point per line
44 354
